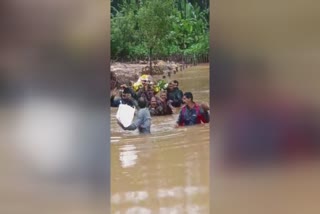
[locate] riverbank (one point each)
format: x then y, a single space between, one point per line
126 73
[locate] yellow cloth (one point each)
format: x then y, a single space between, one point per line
156 89
137 86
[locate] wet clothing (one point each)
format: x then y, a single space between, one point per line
116 102
175 97
133 93
162 108
147 94
193 116
155 111
166 107
142 122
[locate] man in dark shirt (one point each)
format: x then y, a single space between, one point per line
192 113
177 89
126 98
146 91
174 94
176 85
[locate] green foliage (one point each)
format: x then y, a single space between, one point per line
161 84
153 20
167 27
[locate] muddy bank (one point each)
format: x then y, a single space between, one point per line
126 73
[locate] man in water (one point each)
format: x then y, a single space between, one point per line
174 94
192 113
146 91
143 119
176 86
154 107
126 98
160 106
167 107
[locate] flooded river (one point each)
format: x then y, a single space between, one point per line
167 172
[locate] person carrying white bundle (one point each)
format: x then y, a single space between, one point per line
142 121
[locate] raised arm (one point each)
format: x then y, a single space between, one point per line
133 93
114 102
205 117
137 122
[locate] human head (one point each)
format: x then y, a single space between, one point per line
142 103
144 82
126 93
187 97
151 86
163 95
175 83
170 86
153 102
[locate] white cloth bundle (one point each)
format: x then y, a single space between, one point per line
125 114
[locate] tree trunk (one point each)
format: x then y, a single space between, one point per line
150 60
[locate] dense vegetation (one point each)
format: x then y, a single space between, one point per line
159 29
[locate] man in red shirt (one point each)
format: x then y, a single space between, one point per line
192 113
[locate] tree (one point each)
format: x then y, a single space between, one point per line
123 28
153 21
162 28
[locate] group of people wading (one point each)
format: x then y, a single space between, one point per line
151 100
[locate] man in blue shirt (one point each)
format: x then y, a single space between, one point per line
192 113
143 119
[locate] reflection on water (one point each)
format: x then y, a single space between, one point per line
128 156
168 171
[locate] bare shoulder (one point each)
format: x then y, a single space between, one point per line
205 106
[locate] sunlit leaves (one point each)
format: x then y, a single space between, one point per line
169 27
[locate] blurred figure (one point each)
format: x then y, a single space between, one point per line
53 78
263 125
3 88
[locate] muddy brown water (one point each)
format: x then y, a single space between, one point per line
168 171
